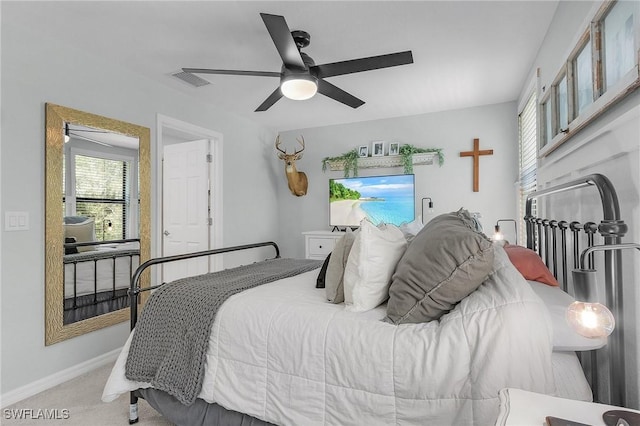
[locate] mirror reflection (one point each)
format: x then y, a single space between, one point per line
101 220
97 219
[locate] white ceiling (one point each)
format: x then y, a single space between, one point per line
466 53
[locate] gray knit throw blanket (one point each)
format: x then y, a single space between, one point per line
171 337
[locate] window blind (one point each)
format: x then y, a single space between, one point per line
101 193
527 135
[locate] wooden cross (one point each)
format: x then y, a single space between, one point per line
476 153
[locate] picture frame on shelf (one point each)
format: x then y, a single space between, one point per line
377 148
394 148
363 151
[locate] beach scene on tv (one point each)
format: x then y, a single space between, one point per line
381 199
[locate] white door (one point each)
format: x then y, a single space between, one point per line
185 207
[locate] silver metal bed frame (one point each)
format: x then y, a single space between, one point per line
542 236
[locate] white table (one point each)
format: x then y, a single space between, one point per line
522 408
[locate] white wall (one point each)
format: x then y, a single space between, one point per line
610 146
37 70
450 186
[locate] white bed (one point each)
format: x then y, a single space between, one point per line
281 353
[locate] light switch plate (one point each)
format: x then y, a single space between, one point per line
16 221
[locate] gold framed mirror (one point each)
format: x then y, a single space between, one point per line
59 120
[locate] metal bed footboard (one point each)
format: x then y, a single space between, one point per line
80 307
542 237
136 289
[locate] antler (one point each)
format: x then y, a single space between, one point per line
278 145
301 143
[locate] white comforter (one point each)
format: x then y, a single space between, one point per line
281 353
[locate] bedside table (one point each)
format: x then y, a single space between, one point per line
318 244
519 407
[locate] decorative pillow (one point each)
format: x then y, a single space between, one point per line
411 229
70 250
373 258
529 264
334 284
82 232
323 273
75 219
444 263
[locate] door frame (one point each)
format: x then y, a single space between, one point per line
164 123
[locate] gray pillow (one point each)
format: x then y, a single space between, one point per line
444 263
334 278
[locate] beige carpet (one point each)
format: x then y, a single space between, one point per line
81 398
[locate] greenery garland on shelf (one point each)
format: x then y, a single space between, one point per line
406 152
350 159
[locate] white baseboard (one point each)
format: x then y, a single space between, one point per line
46 383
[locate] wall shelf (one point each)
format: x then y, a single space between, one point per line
385 161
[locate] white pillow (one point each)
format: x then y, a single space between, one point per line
83 232
373 258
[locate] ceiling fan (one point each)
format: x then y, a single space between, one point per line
300 77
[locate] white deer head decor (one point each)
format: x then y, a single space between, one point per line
297 180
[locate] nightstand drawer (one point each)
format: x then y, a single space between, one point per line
318 244
321 246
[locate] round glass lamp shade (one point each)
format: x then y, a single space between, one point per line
299 87
591 320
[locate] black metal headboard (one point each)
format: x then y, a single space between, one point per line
549 238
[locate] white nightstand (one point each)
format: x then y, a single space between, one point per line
318 244
519 407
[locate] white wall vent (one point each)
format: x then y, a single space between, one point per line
191 79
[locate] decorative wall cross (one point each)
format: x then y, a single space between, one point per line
476 153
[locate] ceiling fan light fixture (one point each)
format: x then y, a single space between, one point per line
299 87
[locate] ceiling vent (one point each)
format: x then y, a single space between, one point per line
191 79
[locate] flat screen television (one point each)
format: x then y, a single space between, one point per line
388 199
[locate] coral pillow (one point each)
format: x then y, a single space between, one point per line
529 264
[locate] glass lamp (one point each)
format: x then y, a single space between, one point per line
586 316
498 236
430 209
592 320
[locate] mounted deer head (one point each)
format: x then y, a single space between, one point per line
297 180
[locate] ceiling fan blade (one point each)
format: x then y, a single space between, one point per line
363 64
231 72
272 99
338 94
281 36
